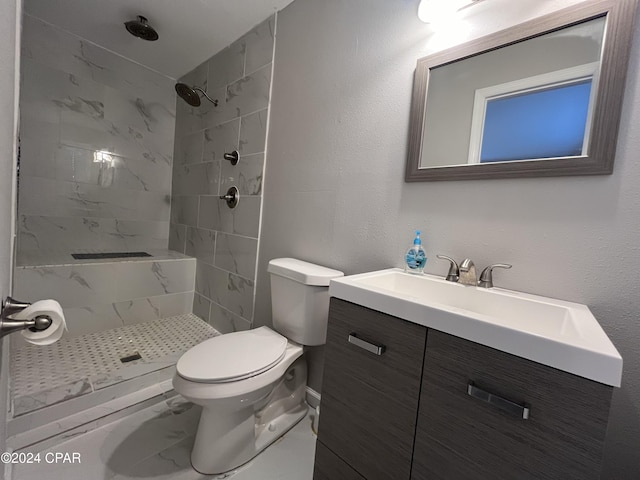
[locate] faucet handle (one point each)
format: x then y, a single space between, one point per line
454 271
486 277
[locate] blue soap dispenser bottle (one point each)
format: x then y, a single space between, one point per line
416 257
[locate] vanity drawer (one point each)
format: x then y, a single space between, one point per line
370 401
562 438
328 466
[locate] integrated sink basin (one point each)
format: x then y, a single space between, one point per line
556 333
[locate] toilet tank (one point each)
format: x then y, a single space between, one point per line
300 299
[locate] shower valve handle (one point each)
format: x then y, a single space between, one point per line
232 157
232 197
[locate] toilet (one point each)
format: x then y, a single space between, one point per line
252 384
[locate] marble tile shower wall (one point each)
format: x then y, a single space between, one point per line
102 296
77 101
224 241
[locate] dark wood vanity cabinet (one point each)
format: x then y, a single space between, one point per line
328 466
369 401
462 437
433 406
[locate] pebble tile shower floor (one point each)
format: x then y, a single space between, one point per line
90 361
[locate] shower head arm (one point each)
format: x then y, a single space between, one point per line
215 102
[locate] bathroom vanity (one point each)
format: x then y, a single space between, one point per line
416 389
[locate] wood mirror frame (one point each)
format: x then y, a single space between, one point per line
620 16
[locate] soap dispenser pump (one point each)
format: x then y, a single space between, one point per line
416 257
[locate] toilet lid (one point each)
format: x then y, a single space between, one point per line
233 356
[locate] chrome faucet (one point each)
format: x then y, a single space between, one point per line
466 272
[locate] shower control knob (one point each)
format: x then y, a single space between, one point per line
231 197
232 157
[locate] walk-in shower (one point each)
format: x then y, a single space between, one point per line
100 248
120 218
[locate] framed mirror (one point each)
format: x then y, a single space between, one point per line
542 98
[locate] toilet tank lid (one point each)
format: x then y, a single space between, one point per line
303 272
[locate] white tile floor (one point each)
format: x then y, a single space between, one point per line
155 443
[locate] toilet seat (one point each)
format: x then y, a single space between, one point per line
233 356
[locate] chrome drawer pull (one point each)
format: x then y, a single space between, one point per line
369 347
521 411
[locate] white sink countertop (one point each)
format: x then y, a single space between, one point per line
560 334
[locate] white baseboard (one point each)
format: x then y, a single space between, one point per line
313 398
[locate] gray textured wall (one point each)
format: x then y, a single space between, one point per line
9 13
223 240
334 190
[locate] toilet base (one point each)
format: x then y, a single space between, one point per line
227 440
280 426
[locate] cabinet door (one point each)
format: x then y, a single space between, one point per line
462 437
369 402
328 466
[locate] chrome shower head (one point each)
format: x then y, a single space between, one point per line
140 28
188 94
191 96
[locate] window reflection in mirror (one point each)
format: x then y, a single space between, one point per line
529 100
548 120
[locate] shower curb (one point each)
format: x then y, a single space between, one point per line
58 431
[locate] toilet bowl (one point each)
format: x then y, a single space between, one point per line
242 412
252 384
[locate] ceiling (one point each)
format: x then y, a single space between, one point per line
190 31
